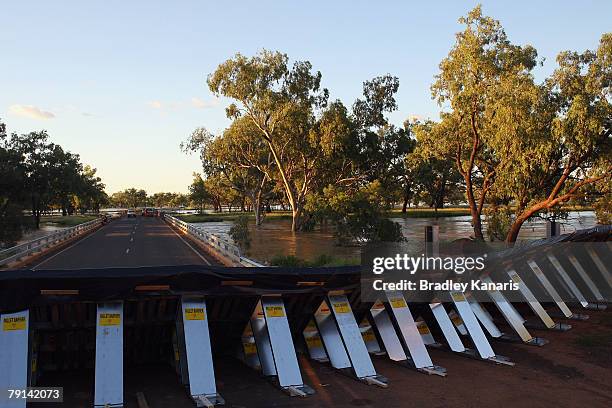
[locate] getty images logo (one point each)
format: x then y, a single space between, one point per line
410 264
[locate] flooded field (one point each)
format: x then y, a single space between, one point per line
275 238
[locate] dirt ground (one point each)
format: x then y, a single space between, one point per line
573 370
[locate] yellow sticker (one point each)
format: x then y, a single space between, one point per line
275 311
249 348
368 336
457 320
110 319
398 303
13 323
194 313
516 278
341 307
457 296
423 329
314 342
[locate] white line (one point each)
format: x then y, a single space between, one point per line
127 251
192 248
67 248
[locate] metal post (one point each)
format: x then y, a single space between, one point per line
316 350
108 389
200 370
13 356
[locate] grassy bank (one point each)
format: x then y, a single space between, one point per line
429 213
66 220
291 261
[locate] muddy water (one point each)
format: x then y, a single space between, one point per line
275 238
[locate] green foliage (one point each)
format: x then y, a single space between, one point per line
239 232
499 220
292 261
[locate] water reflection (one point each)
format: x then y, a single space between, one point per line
275 238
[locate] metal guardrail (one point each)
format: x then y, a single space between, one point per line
17 252
225 248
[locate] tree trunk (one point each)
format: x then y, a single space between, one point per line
406 199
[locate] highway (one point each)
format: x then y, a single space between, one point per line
126 242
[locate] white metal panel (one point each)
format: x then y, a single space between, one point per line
108 390
408 329
331 337
387 333
426 335
197 345
314 342
447 327
355 347
514 319
484 318
262 340
369 337
586 278
600 265
549 288
471 324
13 356
568 281
285 359
531 300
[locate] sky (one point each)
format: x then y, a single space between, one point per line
122 83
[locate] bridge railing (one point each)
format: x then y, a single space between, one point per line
220 245
20 251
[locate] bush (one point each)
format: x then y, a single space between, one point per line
240 232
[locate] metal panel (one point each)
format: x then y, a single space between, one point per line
355 347
408 330
13 356
600 265
108 390
426 335
369 338
285 359
331 337
514 319
316 350
471 324
549 288
197 345
249 348
447 327
568 281
484 318
586 278
387 333
262 340
531 300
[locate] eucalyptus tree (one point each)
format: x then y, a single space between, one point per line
282 103
480 59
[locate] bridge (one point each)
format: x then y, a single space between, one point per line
145 312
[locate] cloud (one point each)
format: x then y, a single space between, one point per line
155 104
415 118
202 104
30 111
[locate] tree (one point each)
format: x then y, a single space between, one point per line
481 57
565 129
198 193
281 102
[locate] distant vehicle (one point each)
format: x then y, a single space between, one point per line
149 212
131 214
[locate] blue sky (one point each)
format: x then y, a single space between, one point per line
122 83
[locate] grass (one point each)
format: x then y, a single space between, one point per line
292 261
66 220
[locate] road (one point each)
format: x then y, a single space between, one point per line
127 242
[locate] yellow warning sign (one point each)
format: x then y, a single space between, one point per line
314 342
368 336
457 296
341 307
398 303
423 329
457 320
13 323
194 313
110 319
516 278
275 311
249 348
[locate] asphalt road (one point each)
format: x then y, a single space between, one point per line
127 242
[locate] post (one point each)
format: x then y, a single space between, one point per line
108 389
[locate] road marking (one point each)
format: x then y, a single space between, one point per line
68 247
132 239
127 251
189 245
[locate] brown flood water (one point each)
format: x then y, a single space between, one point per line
275 238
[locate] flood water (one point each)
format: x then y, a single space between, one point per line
274 237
